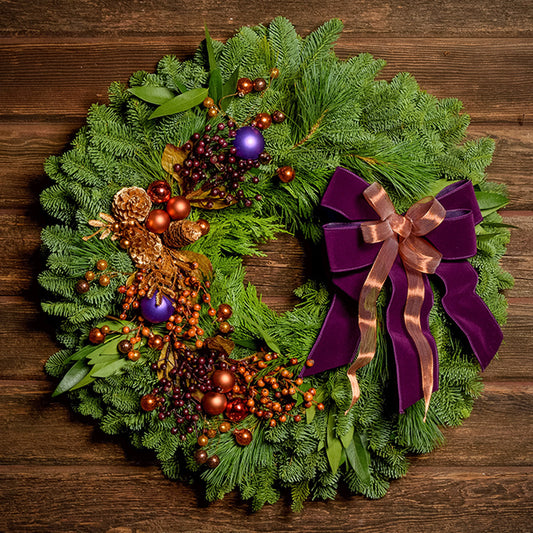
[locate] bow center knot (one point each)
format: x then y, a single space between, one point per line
400 225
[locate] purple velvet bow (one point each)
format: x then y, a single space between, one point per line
350 258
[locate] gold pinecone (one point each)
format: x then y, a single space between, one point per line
182 232
131 203
145 247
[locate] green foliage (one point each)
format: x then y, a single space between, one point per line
337 114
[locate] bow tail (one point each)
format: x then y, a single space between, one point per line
338 339
368 311
416 375
466 308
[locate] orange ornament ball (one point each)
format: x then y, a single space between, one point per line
157 221
286 174
224 379
214 403
178 207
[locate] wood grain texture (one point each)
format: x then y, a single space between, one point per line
59 473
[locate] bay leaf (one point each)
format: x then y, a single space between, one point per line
152 95
180 103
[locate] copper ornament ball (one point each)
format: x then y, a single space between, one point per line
260 84
159 191
214 403
178 207
224 379
157 221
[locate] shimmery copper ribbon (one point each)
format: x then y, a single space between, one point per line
400 234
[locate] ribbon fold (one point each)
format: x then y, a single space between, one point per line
435 236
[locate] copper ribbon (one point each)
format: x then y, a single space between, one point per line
400 234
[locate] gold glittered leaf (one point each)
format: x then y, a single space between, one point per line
205 268
96 223
130 280
168 357
172 155
204 200
106 217
105 234
220 344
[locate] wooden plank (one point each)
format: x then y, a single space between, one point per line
23 150
122 18
63 78
135 499
64 439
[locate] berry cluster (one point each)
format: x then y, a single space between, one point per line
272 388
213 166
83 285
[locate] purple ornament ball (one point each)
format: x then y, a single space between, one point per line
249 142
156 313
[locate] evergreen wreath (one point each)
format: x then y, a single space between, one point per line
214 390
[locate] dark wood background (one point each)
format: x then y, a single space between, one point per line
57 473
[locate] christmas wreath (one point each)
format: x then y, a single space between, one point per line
182 174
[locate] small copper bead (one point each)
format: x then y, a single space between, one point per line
200 456
96 336
243 437
101 264
278 116
104 280
212 112
203 440
125 243
224 427
82 286
148 402
263 121
208 102
105 330
224 311
260 84
204 226
124 346
244 86
286 174
89 275
224 327
274 73
213 461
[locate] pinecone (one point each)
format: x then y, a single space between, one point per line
131 203
145 248
181 232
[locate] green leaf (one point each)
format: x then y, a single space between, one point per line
152 95
76 373
310 413
269 341
215 85
110 369
498 225
210 52
229 88
180 103
347 437
489 202
334 445
438 185
359 457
